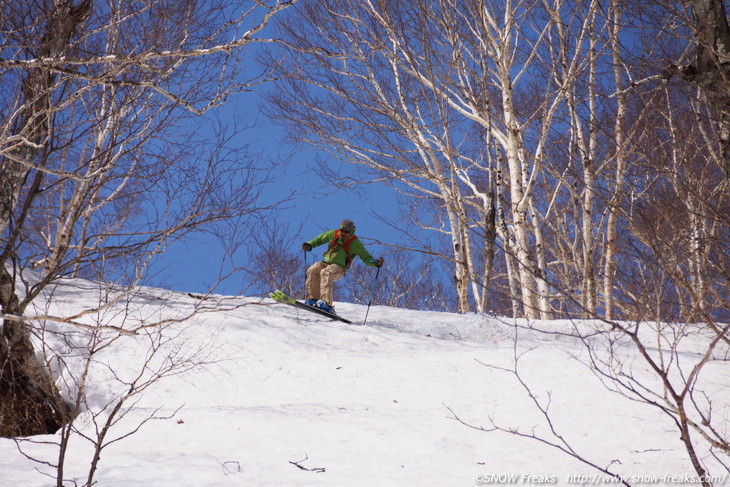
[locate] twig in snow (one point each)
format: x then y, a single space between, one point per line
301 467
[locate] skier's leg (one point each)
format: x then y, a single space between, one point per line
328 276
313 282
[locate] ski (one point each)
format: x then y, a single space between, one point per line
281 297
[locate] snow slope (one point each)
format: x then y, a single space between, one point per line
288 398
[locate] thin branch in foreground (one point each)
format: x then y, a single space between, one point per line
302 467
532 436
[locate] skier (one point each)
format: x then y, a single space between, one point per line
321 276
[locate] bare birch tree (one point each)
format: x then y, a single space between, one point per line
98 175
521 124
665 221
429 96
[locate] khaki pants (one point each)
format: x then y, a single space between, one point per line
321 279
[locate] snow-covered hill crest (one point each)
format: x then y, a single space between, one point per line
243 391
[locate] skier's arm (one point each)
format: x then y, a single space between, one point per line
323 238
358 249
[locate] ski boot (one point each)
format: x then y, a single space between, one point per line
325 307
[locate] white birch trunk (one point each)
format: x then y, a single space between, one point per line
615 202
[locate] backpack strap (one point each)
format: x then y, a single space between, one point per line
334 243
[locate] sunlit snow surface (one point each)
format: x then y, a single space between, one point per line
288 398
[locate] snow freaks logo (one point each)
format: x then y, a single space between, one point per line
515 478
598 479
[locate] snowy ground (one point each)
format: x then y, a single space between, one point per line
292 399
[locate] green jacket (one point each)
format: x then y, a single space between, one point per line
336 254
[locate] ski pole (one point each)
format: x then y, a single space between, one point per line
372 294
305 275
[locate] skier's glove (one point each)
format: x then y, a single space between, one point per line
306 247
379 262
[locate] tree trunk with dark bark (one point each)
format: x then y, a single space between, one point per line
30 403
711 71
